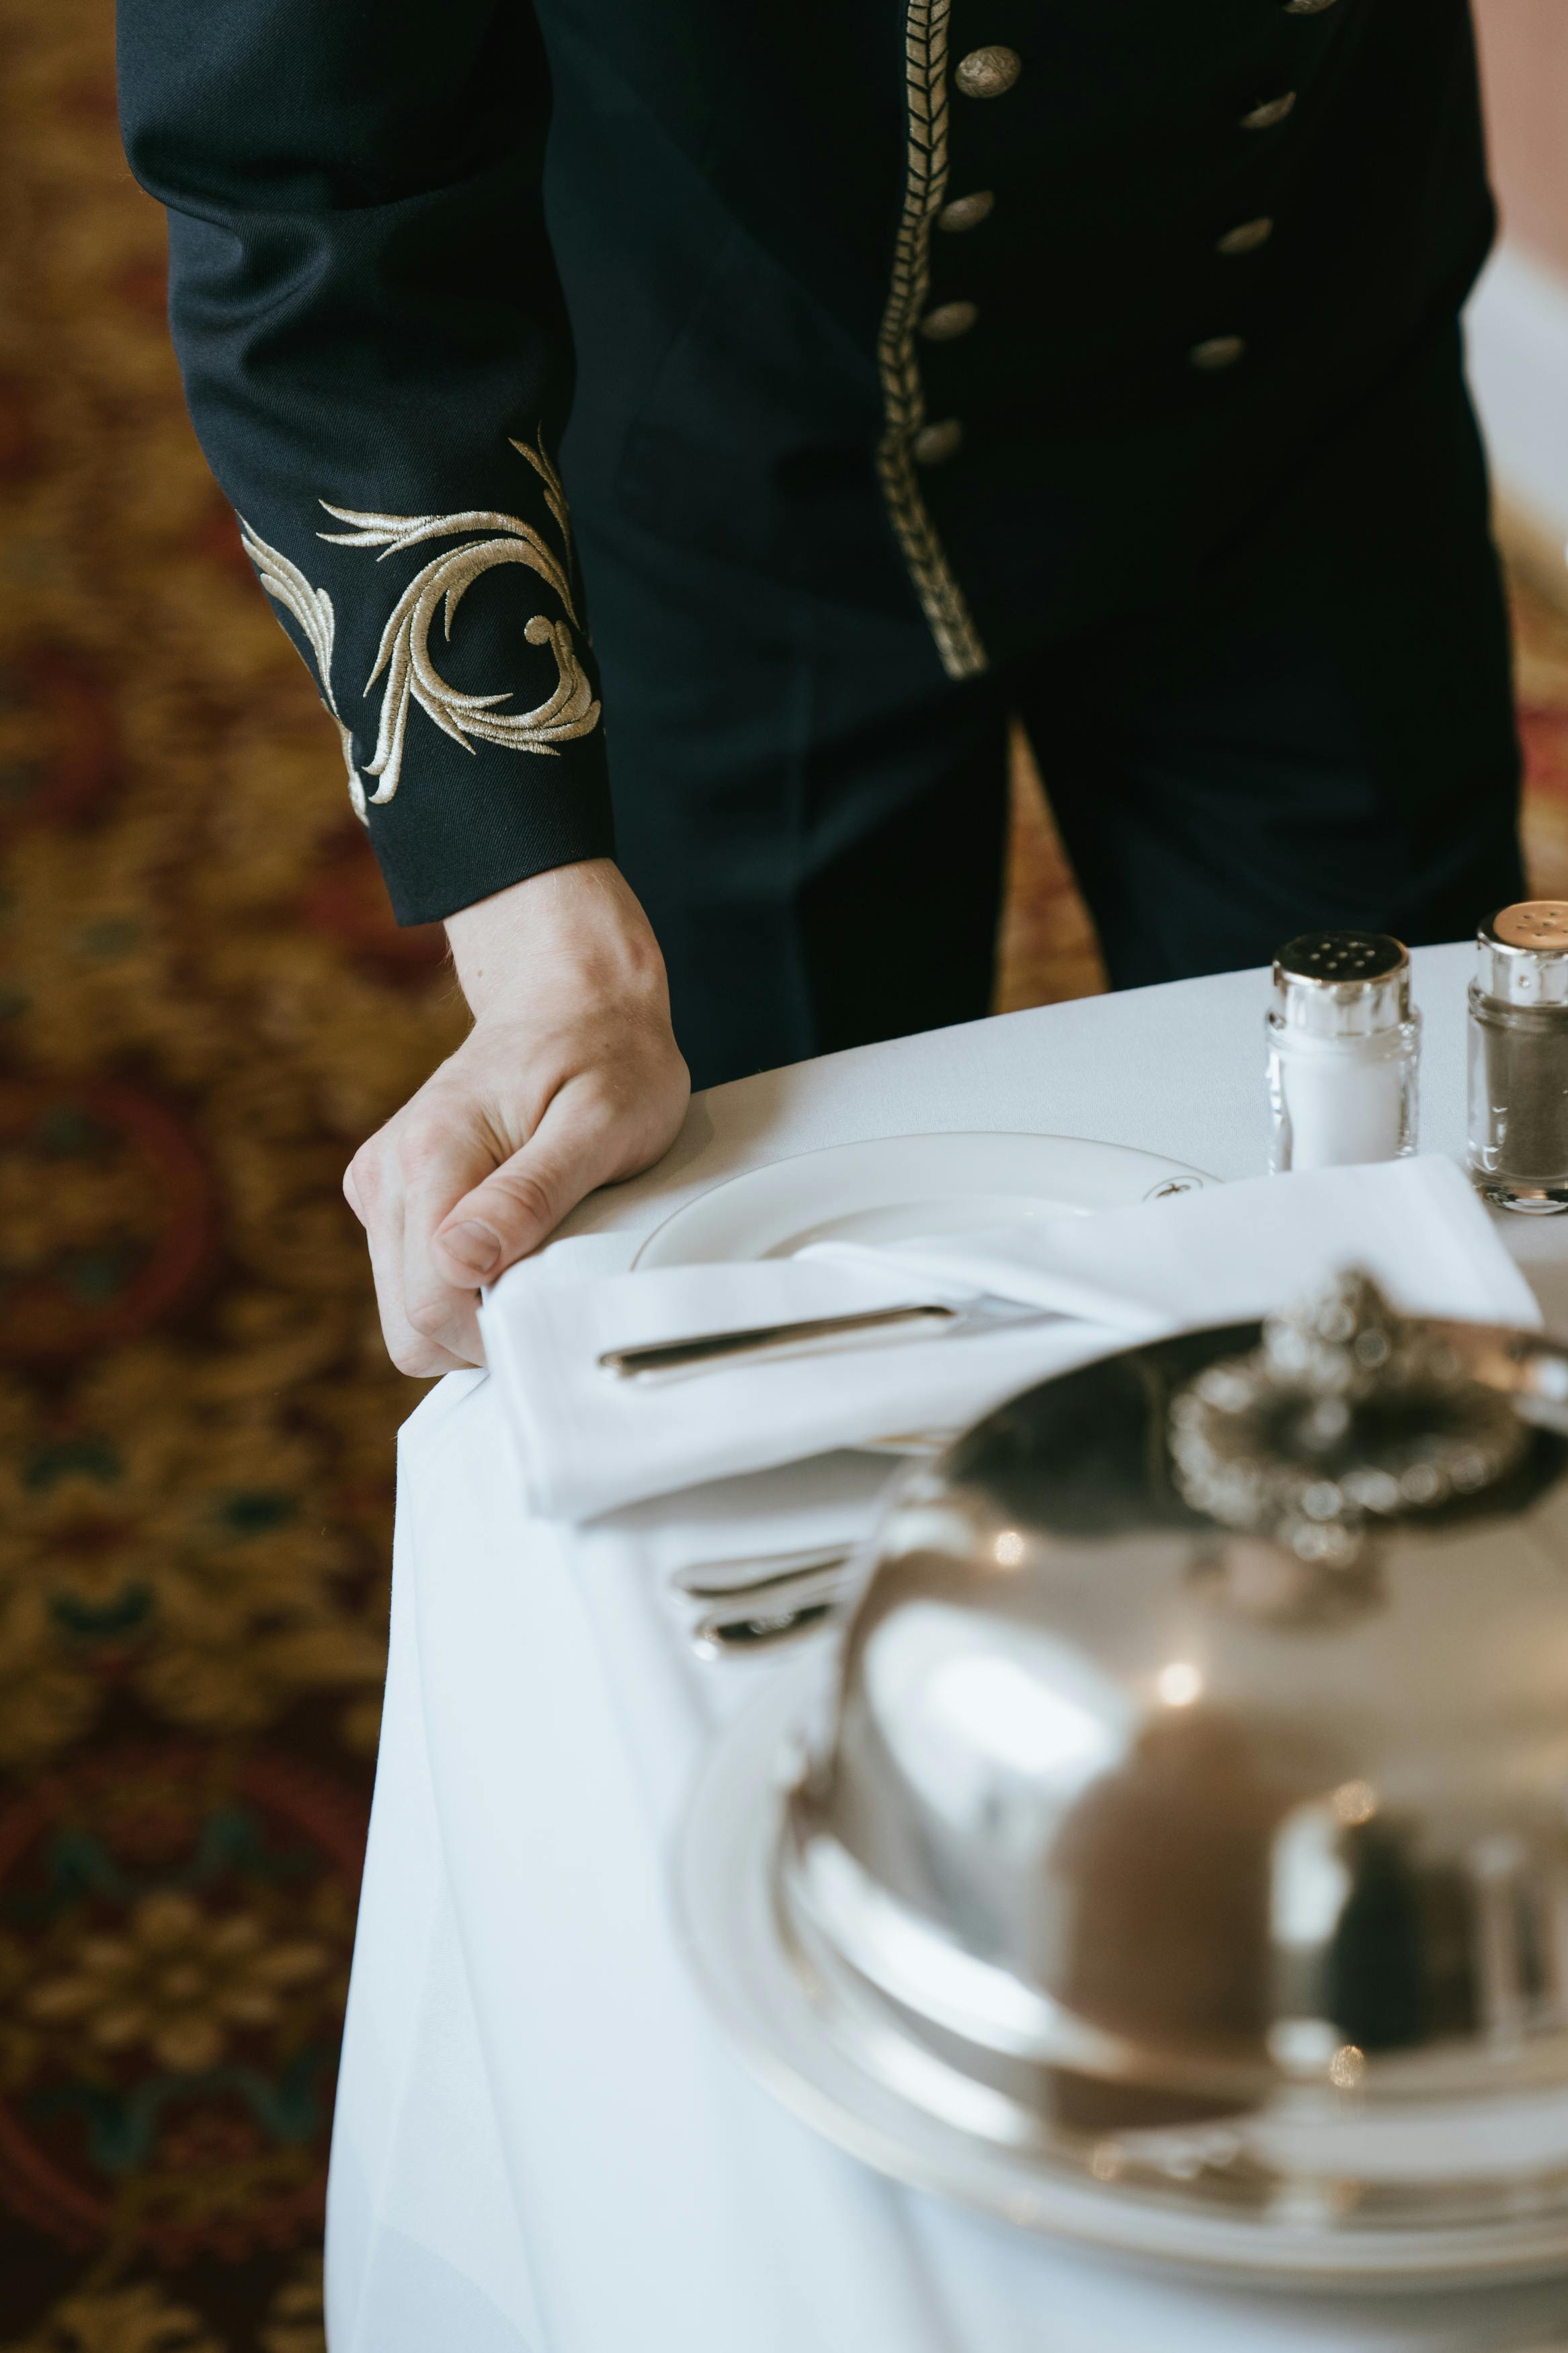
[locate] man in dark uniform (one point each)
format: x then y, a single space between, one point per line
926 363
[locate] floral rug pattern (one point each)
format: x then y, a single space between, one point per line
203 1006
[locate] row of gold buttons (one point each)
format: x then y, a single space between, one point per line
991 72
1218 351
987 72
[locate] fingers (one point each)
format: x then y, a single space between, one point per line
374 1191
574 1147
446 1150
413 1351
525 1118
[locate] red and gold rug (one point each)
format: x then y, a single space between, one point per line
204 1006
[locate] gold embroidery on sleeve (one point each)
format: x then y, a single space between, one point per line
568 711
903 399
313 609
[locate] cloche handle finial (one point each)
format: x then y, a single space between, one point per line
1348 1415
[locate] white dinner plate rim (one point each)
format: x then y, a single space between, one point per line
1161 1168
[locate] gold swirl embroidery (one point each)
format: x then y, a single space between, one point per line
570 711
903 399
313 609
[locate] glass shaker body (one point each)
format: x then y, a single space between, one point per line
1344 1052
1518 1058
1335 1101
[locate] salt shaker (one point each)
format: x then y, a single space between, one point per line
1343 1046
1519 1058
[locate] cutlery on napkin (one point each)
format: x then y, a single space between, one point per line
588 1445
858 1327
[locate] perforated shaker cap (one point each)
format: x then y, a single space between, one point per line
1342 983
1521 955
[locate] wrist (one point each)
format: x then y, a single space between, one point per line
578 926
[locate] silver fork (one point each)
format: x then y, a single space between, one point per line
764 1600
769 1615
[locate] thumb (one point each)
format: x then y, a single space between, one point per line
523 1201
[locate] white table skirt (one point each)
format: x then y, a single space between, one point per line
540 2145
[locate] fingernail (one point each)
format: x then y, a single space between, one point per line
472 1245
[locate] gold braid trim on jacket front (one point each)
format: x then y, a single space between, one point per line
904 397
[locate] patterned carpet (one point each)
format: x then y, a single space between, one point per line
204 1007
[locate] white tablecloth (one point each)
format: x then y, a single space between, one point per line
540 2145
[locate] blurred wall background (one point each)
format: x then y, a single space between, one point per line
203 1007
1519 319
1524 56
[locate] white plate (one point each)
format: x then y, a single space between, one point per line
894 1187
766 1997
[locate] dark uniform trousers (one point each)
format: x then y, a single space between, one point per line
912 365
1319 730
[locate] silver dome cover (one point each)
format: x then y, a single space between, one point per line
1191 1808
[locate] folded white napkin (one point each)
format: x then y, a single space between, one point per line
589 1444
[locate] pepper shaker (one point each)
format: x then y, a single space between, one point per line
1519 1058
1343 1051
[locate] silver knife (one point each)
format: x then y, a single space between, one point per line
921 1319
713 1581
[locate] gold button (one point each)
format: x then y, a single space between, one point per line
1218 352
1307 7
1247 239
947 320
966 212
933 443
988 73
1274 109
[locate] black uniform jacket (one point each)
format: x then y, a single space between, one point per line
983 308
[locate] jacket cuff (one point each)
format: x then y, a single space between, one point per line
474 748
470 826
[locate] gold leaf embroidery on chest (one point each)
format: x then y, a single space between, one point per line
403 656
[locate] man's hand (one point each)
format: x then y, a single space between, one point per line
570 1076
